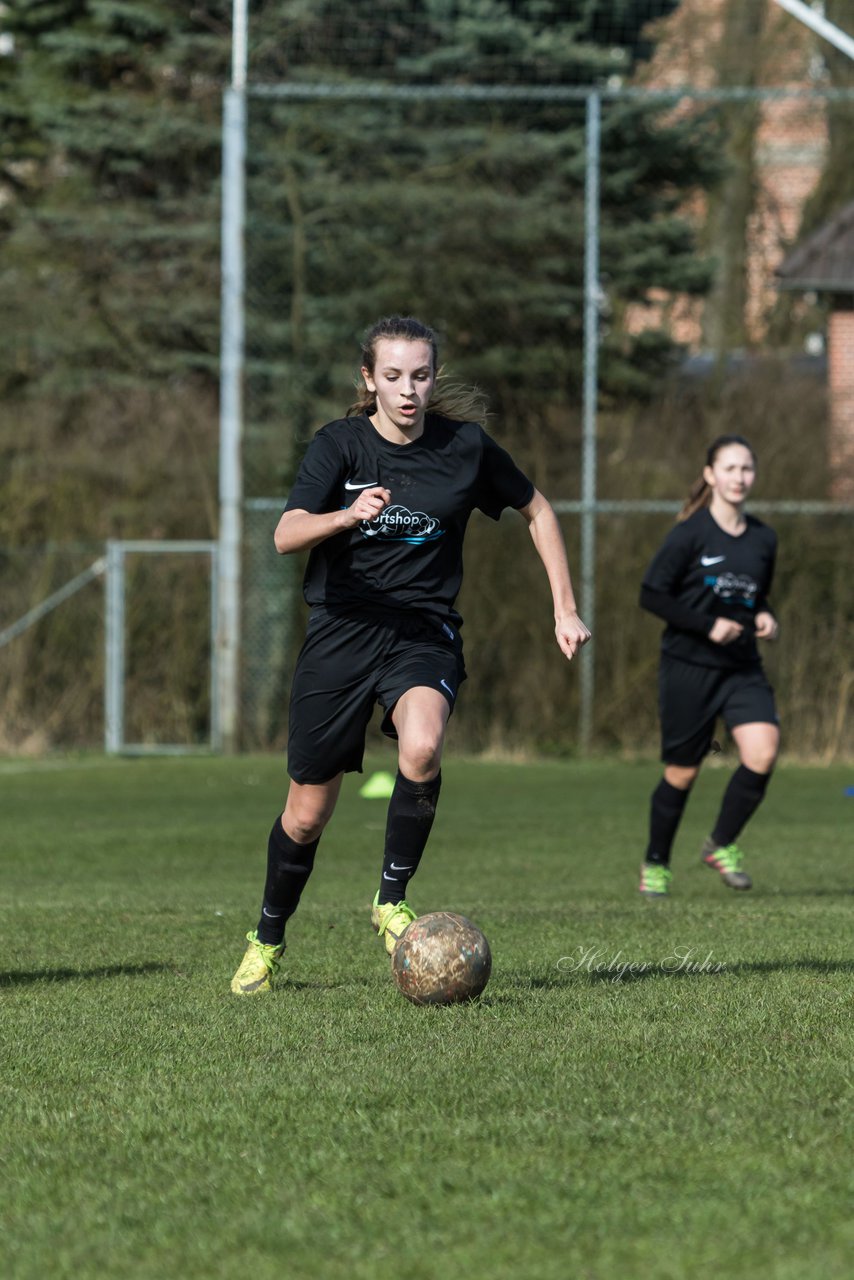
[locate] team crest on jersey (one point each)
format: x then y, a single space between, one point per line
402 525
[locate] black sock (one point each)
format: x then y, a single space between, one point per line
288 867
741 799
666 809
411 811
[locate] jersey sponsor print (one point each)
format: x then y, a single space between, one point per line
399 522
734 587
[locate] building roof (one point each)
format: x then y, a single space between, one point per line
825 260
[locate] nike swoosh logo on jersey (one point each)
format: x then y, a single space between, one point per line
707 560
364 484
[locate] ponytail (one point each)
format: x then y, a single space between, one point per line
700 493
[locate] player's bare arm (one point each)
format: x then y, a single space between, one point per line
570 631
301 530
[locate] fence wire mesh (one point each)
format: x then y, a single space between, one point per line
470 212
430 157
52 671
167 649
52 674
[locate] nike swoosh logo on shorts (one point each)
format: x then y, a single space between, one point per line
707 560
365 484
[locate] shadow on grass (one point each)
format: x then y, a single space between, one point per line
806 893
69 975
624 972
324 984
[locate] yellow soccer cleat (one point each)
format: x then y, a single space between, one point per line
257 968
727 860
655 880
391 920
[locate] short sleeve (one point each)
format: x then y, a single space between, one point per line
501 483
316 486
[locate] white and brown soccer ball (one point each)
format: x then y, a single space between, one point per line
442 958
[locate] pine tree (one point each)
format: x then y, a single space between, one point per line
110 174
470 214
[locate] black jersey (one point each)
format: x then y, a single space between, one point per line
410 556
702 573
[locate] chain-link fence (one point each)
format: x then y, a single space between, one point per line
51 672
624 283
56 686
469 209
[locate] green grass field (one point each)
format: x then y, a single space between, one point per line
673 1119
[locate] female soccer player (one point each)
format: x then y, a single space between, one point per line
710 582
382 500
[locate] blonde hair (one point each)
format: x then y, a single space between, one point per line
700 493
452 399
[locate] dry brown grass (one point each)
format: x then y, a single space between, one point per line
142 465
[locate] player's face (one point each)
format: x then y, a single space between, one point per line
402 380
732 473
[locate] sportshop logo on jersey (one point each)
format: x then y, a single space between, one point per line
733 586
402 525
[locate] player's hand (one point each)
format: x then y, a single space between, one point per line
725 631
571 634
367 506
766 626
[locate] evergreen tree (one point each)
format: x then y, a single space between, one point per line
468 213
471 214
109 169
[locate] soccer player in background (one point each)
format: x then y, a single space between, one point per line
381 500
709 582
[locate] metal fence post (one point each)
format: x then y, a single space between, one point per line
231 417
216 732
114 649
588 463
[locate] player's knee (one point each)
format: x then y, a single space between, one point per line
681 776
760 759
305 823
420 758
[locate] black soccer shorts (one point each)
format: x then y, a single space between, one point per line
347 664
691 697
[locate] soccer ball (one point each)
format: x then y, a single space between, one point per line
442 958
